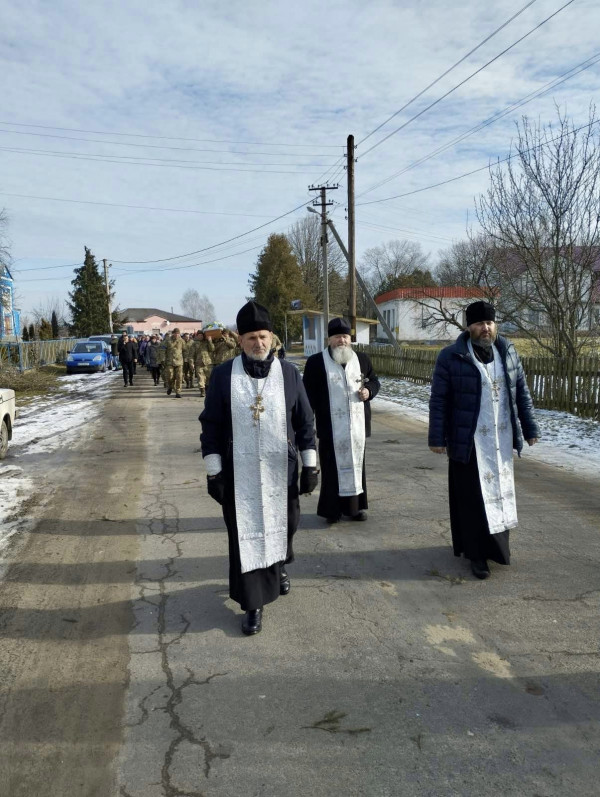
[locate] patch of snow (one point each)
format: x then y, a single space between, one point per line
567 441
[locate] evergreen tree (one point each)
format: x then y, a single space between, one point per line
276 282
31 332
25 334
45 329
88 305
54 322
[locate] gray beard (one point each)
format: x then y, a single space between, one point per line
342 354
258 357
485 344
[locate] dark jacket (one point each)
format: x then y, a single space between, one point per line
456 398
127 353
217 432
114 347
315 382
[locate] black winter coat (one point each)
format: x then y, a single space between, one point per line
456 399
315 382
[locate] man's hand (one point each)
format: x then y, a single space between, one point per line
216 487
364 394
309 478
532 441
438 449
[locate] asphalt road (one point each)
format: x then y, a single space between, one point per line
387 671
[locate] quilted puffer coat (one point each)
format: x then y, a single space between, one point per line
456 398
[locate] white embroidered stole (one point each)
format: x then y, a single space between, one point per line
347 422
494 446
260 454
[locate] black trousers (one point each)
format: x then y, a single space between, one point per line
155 371
127 372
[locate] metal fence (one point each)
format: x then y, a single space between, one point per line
31 354
568 385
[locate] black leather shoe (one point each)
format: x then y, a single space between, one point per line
362 515
284 581
332 520
252 622
169 391
177 395
480 568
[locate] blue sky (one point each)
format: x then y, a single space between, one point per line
232 110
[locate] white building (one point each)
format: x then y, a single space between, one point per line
408 311
315 336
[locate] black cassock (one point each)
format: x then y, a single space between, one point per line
468 520
257 587
331 504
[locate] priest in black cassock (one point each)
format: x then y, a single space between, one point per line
479 412
340 384
256 419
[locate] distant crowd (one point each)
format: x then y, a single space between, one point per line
178 360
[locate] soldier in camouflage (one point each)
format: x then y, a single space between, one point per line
162 358
226 347
188 360
203 349
174 363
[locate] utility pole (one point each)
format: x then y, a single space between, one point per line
107 285
323 189
351 235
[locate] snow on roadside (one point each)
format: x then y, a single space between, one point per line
567 441
44 425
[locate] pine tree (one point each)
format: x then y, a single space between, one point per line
88 305
54 322
31 332
45 329
25 334
276 282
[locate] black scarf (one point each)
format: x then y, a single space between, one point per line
257 369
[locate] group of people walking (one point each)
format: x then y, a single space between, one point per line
259 417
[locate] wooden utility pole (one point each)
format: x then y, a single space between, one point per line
107 285
351 236
323 189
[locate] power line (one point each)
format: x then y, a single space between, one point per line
153 146
443 75
474 171
128 160
466 80
169 138
552 84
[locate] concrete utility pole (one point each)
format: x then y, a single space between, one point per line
324 204
351 235
106 283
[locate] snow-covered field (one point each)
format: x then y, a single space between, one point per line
44 425
567 441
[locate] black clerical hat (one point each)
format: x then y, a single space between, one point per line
252 317
338 326
480 311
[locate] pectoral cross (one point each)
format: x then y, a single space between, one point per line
361 381
495 390
257 408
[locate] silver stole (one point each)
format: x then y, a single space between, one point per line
260 459
494 446
347 422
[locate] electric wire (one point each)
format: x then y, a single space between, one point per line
466 80
447 72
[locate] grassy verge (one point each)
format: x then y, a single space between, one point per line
36 382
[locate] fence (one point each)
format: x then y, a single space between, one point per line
31 354
568 385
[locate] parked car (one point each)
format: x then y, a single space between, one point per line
8 413
89 356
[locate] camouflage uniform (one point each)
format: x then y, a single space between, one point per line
203 350
226 348
174 363
188 362
162 358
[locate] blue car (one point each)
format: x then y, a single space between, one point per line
89 356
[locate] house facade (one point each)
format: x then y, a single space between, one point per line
314 334
10 317
408 312
150 320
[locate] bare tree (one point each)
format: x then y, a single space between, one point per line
5 258
542 212
305 240
196 306
52 304
383 266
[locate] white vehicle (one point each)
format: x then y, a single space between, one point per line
8 414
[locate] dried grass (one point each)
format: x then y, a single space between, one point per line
35 382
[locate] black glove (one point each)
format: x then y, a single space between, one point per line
309 478
216 487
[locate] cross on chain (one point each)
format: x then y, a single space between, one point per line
495 385
257 408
